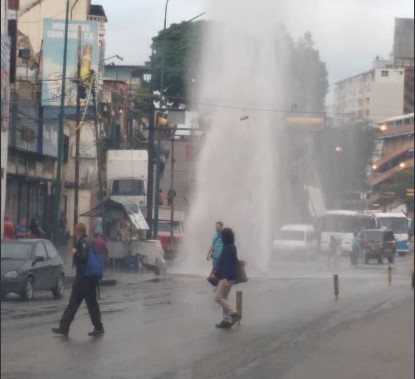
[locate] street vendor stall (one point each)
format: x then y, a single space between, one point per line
125 230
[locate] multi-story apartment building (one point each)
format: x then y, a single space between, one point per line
395 153
5 94
387 89
34 109
376 94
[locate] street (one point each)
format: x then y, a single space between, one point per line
292 327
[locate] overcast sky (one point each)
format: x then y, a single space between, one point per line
348 33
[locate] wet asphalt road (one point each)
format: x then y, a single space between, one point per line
165 329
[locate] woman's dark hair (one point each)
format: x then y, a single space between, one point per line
228 236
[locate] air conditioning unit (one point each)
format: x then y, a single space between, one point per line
24 53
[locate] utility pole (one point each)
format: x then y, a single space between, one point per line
156 205
150 170
172 189
78 131
97 141
58 184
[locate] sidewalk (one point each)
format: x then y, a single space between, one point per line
111 277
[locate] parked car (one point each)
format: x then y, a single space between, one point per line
29 265
379 244
164 236
296 238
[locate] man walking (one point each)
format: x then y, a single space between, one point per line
83 288
216 248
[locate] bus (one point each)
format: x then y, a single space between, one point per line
400 226
342 224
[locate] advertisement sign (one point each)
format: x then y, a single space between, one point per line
53 49
85 151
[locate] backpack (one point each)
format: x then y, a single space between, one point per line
94 268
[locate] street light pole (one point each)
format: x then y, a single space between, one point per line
156 203
58 185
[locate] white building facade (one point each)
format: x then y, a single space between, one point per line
373 95
5 95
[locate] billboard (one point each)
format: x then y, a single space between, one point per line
53 46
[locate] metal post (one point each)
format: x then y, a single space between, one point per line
389 275
172 247
97 142
150 169
336 285
239 302
156 203
78 131
58 189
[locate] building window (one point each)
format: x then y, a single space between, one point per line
384 73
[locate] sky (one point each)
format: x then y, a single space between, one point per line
349 34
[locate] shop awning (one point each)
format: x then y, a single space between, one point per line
132 210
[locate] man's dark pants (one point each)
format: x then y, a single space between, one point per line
82 289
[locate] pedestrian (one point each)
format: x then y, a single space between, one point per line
226 274
9 231
83 288
170 196
62 229
317 228
216 248
362 244
161 197
97 226
334 254
163 161
21 229
36 230
355 249
100 245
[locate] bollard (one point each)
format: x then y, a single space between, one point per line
336 285
389 275
239 302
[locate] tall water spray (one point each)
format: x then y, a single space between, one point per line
239 174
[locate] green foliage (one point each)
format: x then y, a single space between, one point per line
178 50
308 76
398 184
343 171
141 102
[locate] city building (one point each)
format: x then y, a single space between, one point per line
5 95
122 124
394 153
37 40
385 90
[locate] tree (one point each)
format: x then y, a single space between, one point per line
398 184
180 46
308 77
178 49
342 155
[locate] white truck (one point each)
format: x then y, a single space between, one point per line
127 175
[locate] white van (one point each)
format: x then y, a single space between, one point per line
296 239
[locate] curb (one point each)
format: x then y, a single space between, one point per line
105 282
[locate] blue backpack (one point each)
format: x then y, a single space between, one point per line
94 268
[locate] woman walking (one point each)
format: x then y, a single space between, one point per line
226 273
